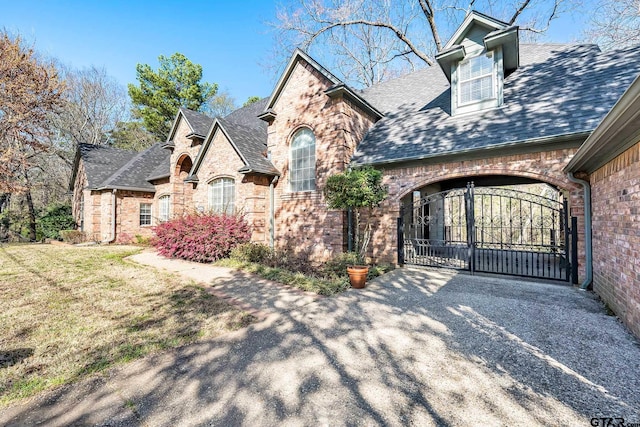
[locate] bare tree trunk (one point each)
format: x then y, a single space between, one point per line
32 216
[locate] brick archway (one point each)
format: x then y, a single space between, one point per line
182 192
541 166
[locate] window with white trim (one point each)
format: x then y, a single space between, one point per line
222 195
145 213
302 167
476 79
164 203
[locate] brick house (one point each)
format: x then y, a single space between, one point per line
495 112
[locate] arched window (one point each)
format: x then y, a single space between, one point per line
222 195
164 203
302 169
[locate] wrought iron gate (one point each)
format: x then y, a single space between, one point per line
489 229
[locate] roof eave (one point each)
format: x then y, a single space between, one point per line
268 116
125 188
157 177
527 142
247 170
447 57
508 39
346 92
192 179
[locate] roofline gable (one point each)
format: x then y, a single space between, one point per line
207 142
298 54
473 16
176 121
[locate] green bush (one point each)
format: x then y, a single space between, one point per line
252 252
142 240
337 266
55 218
72 236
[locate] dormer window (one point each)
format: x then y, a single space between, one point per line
476 79
476 82
475 61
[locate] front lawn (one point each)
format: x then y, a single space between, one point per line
68 312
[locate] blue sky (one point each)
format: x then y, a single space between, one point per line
230 39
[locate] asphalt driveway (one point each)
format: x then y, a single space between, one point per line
415 347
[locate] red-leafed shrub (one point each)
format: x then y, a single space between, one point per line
201 237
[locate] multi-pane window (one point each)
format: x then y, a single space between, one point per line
145 213
222 195
475 77
165 206
302 169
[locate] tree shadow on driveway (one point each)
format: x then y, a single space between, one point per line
414 347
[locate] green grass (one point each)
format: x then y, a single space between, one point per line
69 312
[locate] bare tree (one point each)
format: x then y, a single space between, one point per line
220 105
615 23
94 104
31 92
368 41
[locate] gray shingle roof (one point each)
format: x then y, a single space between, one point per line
101 162
249 134
558 90
163 170
135 173
248 116
200 123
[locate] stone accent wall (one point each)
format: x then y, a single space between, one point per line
302 220
615 197
222 161
545 166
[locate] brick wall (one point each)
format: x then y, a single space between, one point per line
302 220
128 215
545 166
615 198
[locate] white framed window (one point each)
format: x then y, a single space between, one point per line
302 167
145 213
222 195
164 204
476 81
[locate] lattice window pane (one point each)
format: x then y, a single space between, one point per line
222 195
302 171
145 213
476 79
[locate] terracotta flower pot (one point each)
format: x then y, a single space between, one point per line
358 275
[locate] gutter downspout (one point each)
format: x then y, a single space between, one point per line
113 217
272 212
587 228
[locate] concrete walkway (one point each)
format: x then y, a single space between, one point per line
258 296
416 347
